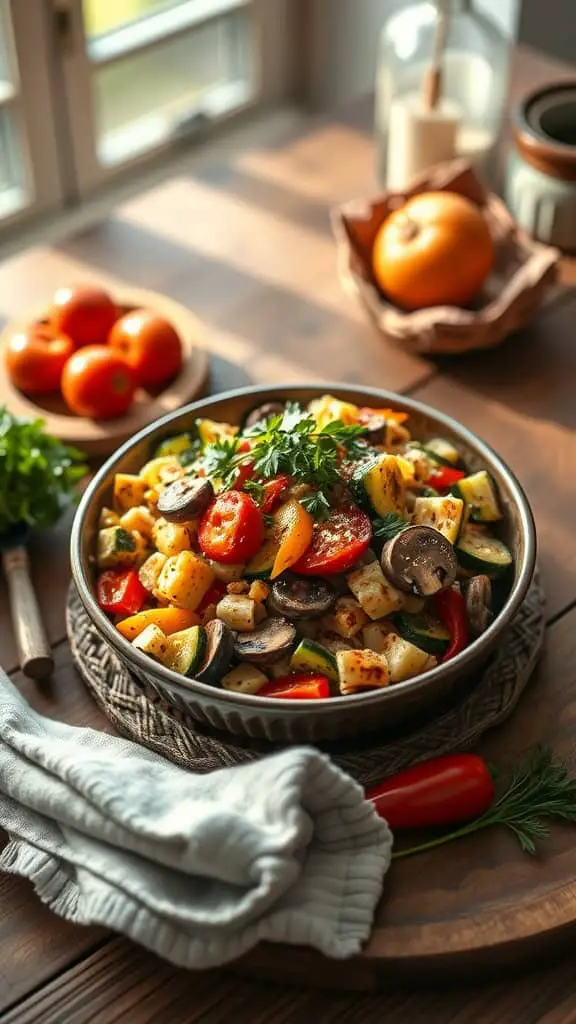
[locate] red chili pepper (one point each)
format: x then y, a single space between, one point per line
120 592
451 609
443 791
212 595
304 686
443 477
273 491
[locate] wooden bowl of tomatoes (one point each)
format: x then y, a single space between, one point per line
99 366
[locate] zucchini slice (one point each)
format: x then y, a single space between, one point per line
444 514
479 493
481 553
185 650
116 547
260 567
312 657
424 631
378 485
442 451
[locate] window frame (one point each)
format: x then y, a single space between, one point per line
270 29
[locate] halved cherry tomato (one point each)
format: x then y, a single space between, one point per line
35 359
120 592
337 543
303 686
84 313
442 791
149 344
232 528
273 491
442 477
293 528
97 383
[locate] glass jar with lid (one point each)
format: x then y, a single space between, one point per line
471 57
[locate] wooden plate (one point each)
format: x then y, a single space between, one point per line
102 437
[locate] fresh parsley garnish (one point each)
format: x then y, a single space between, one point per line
255 489
290 442
38 473
389 525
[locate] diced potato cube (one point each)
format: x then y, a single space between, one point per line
376 596
108 518
404 659
171 538
244 679
375 635
152 641
238 611
259 591
138 518
162 470
129 490
184 580
346 619
149 572
359 670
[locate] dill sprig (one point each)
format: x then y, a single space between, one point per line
539 791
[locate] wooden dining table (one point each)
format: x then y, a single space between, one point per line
240 233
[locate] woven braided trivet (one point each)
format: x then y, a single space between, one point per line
139 713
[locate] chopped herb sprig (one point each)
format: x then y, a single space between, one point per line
389 525
290 442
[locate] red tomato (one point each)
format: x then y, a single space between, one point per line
273 491
232 528
120 592
97 383
302 686
149 344
337 543
35 359
442 791
84 313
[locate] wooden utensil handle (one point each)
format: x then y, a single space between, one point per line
33 648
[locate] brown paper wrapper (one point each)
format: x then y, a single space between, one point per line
523 270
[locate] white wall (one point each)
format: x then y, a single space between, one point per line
346 34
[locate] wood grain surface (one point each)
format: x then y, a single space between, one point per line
243 239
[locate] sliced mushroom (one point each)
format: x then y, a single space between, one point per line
262 413
375 429
185 499
301 598
419 561
479 604
267 644
219 651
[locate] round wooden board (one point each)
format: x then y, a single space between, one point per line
478 905
103 437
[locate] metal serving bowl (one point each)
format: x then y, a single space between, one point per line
337 717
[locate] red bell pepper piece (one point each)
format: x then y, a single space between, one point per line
442 791
273 491
120 592
451 609
212 595
442 478
303 686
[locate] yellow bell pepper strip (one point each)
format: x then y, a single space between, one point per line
293 526
169 620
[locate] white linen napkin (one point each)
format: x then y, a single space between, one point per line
198 868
